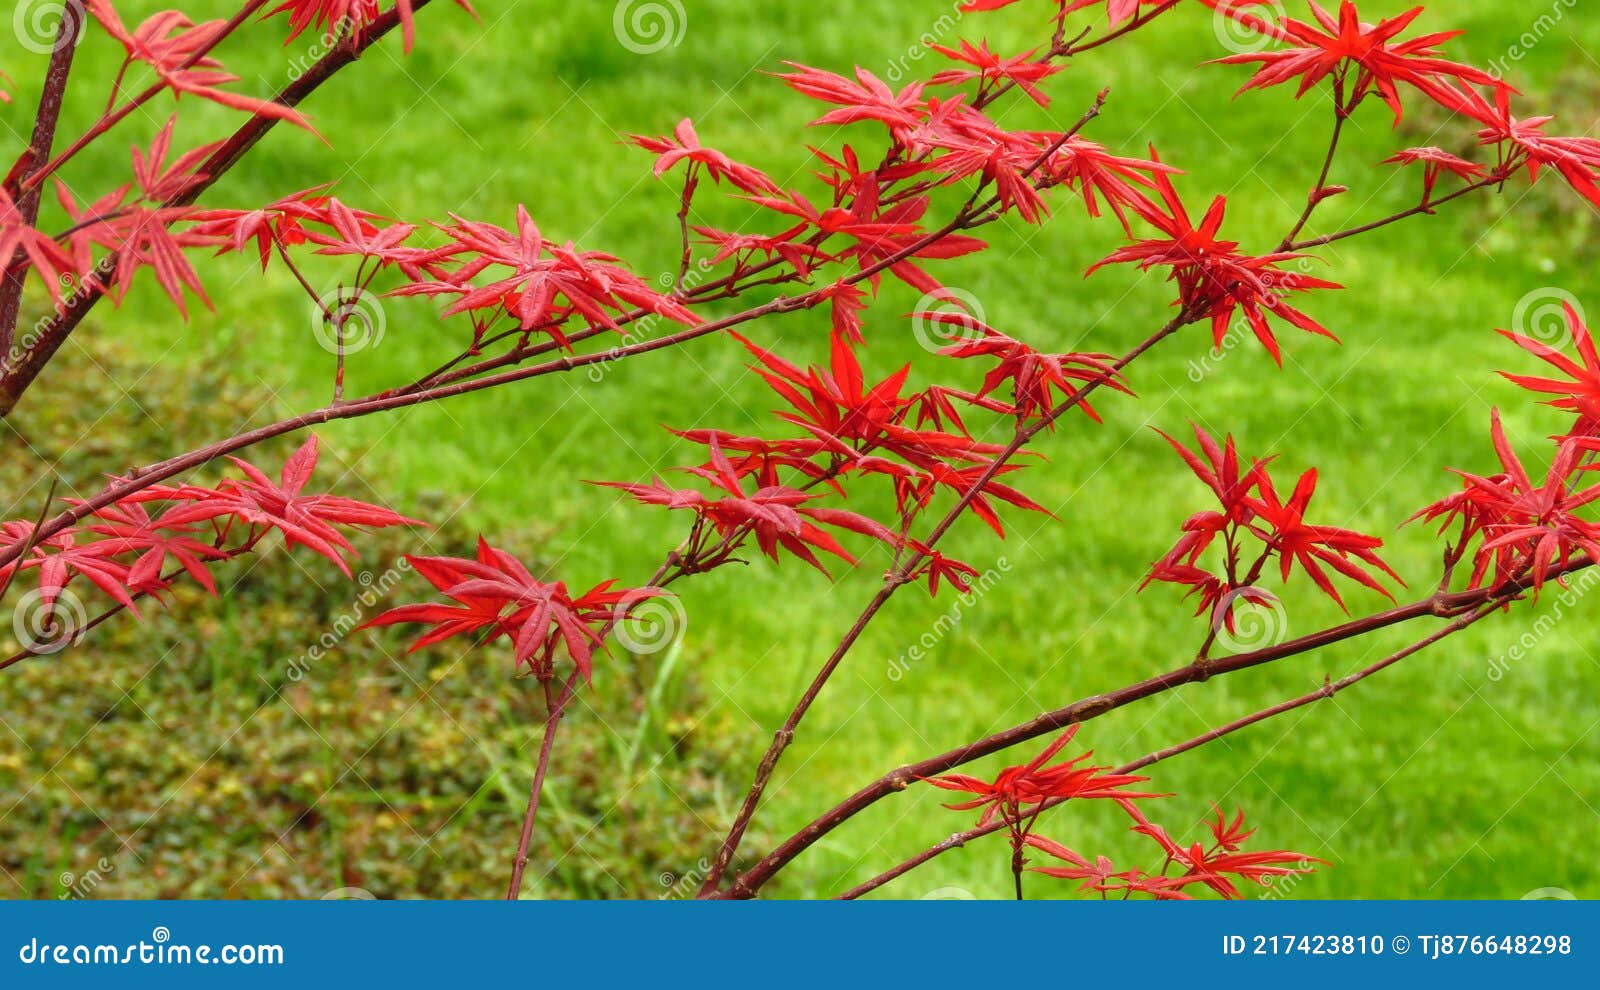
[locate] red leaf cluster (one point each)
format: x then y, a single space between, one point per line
1520 527
123 548
494 595
1253 525
1019 794
1214 278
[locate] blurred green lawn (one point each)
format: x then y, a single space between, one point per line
1430 781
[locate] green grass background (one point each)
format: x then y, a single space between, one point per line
1430 781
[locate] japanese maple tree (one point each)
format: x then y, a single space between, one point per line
926 165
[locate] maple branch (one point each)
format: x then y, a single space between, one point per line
557 705
1133 25
19 375
1427 208
114 115
901 575
75 636
896 579
972 216
1327 690
686 253
38 152
1440 604
1314 198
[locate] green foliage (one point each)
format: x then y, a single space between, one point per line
258 745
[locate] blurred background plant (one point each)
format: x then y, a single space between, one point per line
207 753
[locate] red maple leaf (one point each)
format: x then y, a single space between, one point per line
1021 69
1577 159
1435 162
1030 784
1213 278
61 557
281 223
547 282
335 16
867 98
1581 393
776 515
1102 876
49 260
1216 866
1281 523
495 595
1528 527
177 49
1038 381
283 505
1377 61
684 145
128 527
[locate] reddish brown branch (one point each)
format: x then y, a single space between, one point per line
557 703
30 362
1444 604
33 159
1327 690
902 574
972 216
